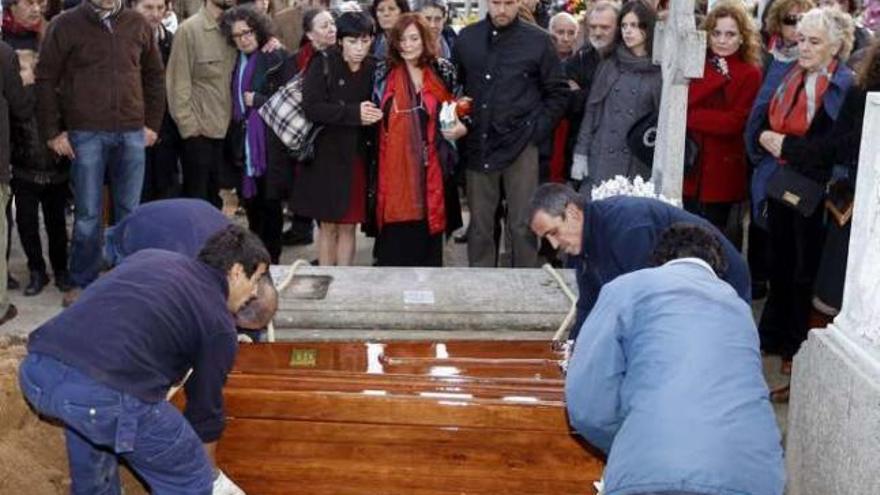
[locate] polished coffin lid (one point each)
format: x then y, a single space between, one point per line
402 417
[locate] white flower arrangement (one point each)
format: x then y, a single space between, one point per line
623 186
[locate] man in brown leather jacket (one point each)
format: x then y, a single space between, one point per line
101 99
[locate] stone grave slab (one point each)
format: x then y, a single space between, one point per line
344 303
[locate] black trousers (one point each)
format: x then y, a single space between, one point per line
408 244
203 162
161 175
266 220
53 198
718 214
796 246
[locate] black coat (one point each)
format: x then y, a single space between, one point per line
519 90
32 161
580 68
15 103
322 188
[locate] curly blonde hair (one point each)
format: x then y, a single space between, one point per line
780 9
836 23
750 50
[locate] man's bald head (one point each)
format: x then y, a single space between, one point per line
259 311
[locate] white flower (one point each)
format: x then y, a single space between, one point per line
622 186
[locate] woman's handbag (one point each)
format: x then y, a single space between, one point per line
795 191
284 114
642 138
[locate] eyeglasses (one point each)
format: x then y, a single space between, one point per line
244 34
791 20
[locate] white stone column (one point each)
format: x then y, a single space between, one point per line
680 49
834 416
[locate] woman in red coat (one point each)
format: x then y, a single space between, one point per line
410 204
718 107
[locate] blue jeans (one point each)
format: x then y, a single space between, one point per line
102 424
120 157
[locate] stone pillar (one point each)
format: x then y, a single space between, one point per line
680 49
833 441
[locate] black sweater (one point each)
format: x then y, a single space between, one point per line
139 328
831 143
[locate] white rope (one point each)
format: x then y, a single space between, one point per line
270 329
566 323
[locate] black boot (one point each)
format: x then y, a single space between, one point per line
62 281
11 283
39 279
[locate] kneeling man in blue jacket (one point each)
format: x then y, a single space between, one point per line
617 235
666 379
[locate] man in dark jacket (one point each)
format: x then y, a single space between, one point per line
105 374
617 235
101 99
183 225
15 103
511 70
581 67
161 177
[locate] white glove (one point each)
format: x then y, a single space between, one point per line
579 167
224 486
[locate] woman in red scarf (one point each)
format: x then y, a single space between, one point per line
24 24
411 214
718 107
802 112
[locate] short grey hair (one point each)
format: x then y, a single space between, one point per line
562 15
836 23
552 199
603 6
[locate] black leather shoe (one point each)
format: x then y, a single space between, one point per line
12 284
293 238
38 281
62 281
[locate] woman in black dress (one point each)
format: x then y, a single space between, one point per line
336 95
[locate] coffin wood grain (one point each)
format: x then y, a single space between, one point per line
415 418
407 457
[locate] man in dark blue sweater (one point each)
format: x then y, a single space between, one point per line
104 365
183 225
613 236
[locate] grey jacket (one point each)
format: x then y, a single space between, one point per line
625 89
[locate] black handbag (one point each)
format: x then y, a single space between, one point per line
642 138
795 191
306 151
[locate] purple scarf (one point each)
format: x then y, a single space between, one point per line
255 139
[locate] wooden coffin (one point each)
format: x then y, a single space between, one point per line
415 418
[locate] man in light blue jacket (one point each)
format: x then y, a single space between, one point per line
666 379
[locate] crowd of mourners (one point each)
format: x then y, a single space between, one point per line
108 105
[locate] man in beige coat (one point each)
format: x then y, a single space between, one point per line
198 79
